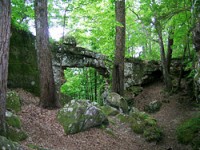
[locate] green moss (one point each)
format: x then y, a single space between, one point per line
109 111
123 118
6 144
188 130
137 126
13 120
23 70
13 101
15 134
153 134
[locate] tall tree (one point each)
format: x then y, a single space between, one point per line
5 12
118 68
47 85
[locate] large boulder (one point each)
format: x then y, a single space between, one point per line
13 101
117 101
79 115
6 144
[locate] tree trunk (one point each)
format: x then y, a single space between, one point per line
196 40
169 49
5 12
166 76
118 68
47 85
95 85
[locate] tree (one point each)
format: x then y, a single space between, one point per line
196 39
47 85
118 68
5 12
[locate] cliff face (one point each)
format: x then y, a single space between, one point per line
23 70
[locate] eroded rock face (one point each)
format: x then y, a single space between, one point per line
79 115
117 101
138 72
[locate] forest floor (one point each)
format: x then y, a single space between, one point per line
44 130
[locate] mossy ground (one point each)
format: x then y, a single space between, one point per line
189 132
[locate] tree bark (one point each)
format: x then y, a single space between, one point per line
118 68
5 11
166 76
169 49
47 84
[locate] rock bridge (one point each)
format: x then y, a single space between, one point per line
70 56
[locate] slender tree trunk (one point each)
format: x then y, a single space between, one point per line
47 85
118 68
169 49
196 40
95 85
5 11
166 76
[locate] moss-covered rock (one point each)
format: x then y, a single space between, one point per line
15 134
79 115
189 132
117 101
13 101
153 133
14 131
109 111
6 144
142 123
13 120
153 107
23 69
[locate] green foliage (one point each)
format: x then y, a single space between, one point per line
80 83
188 131
22 12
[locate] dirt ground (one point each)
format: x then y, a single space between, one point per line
44 130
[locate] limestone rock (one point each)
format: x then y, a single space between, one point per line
139 72
79 115
6 144
117 101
